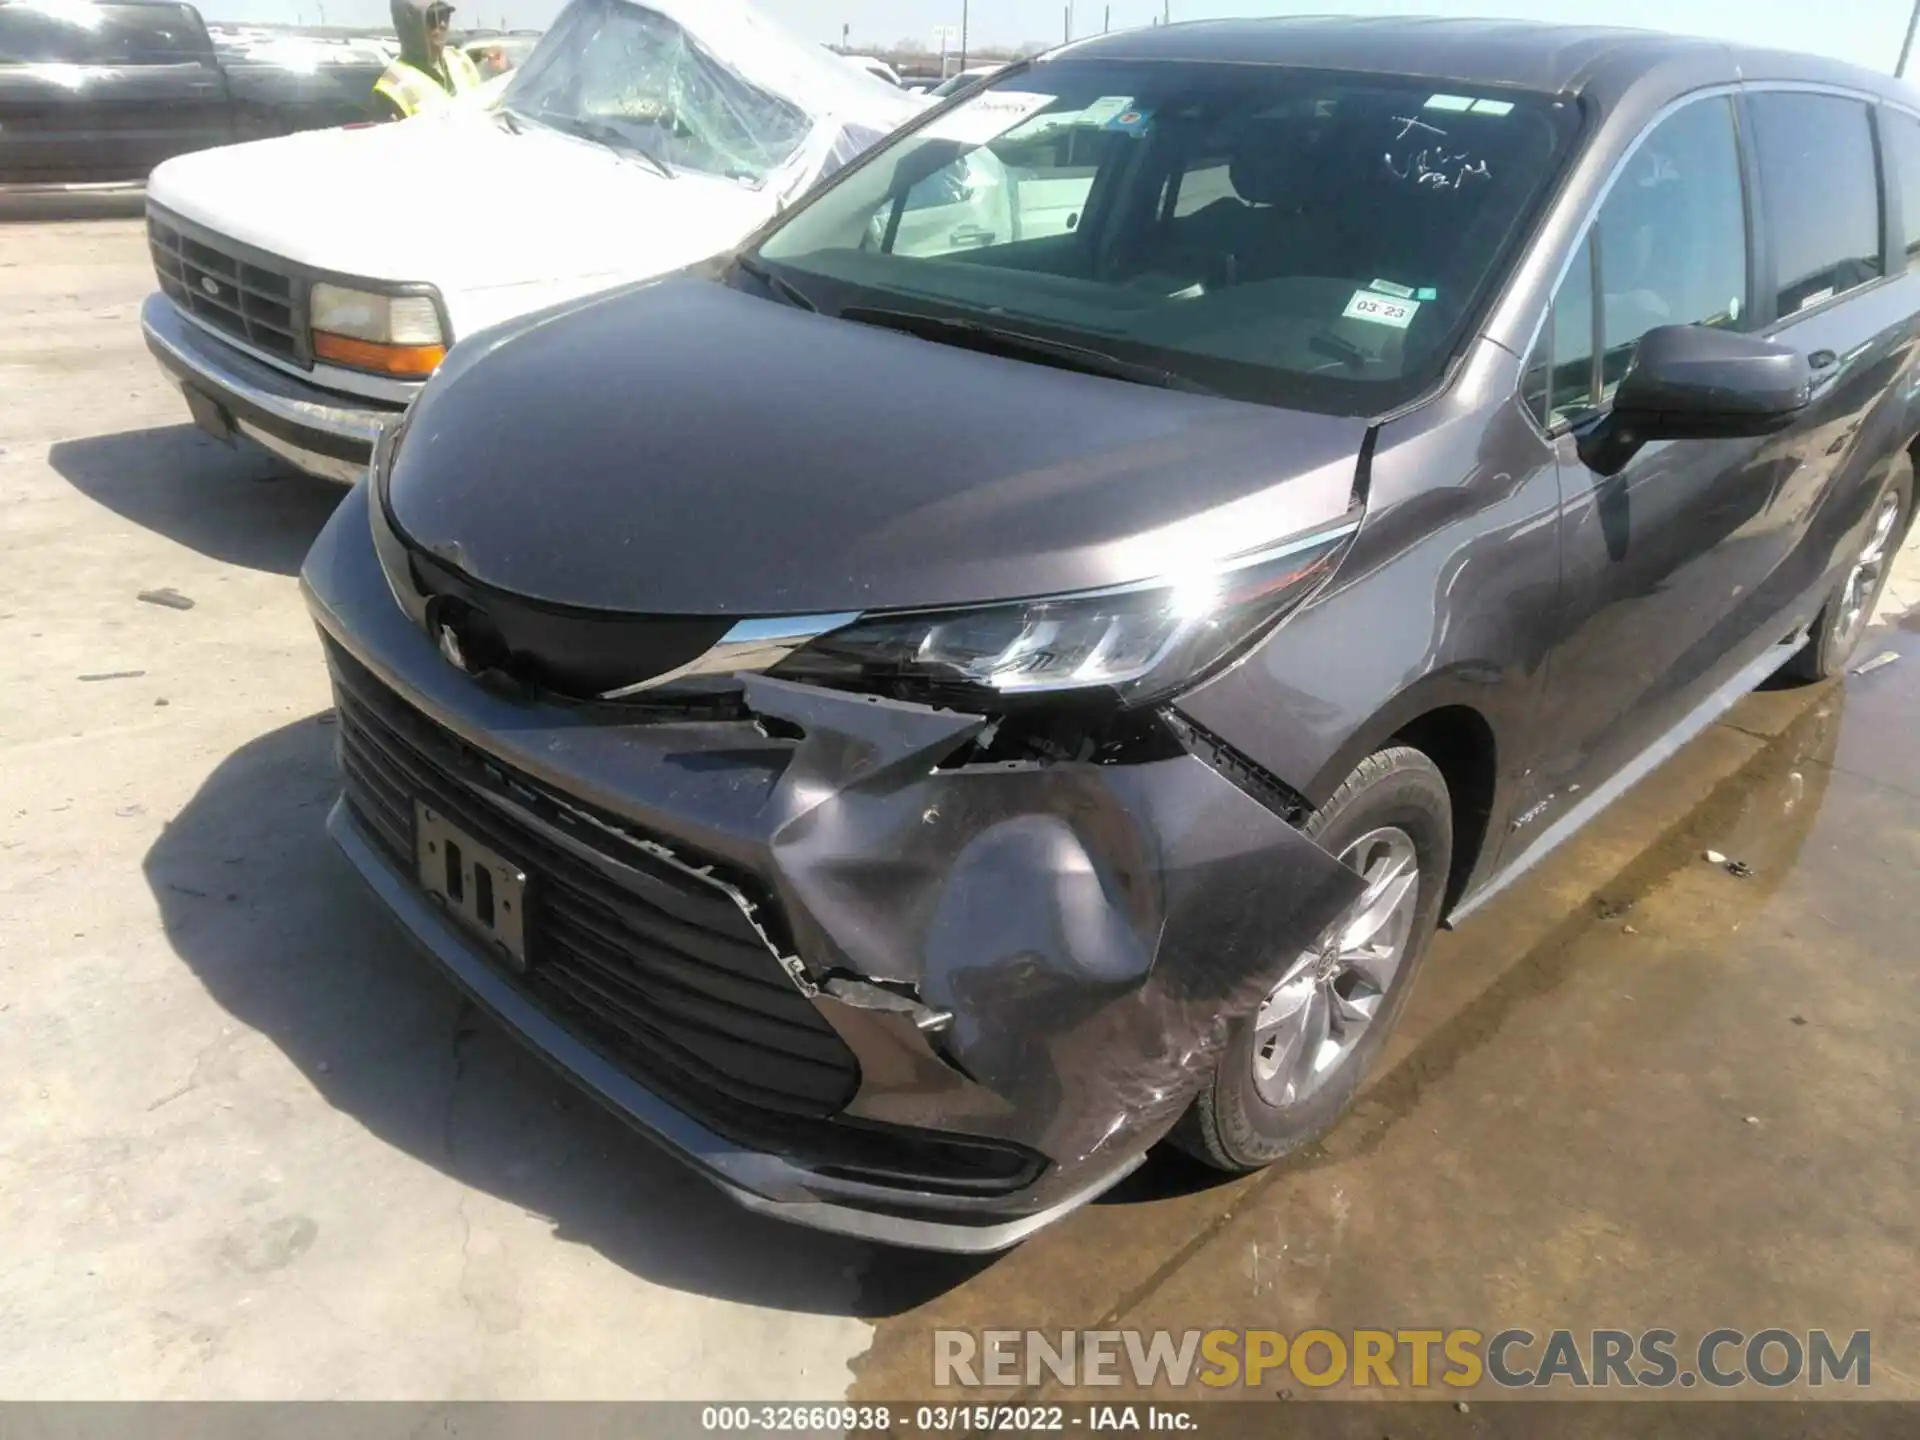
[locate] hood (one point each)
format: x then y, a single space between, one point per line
410 24
462 203
684 448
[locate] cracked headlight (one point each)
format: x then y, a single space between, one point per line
1134 644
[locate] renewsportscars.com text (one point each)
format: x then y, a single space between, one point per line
1402 1359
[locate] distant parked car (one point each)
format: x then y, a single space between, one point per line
876 67
94 95
972 75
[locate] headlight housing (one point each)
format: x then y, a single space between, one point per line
398 335
1132 645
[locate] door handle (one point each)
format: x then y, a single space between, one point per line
971 235
1823 359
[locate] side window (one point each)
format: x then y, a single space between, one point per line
1673 235
1902 133
1572 387
1822 192
1669 247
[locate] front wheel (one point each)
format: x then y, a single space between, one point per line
1838 631
1290 1069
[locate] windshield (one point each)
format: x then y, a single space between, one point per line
1304 238
621 73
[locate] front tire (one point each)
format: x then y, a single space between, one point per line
1290 1069
1838 631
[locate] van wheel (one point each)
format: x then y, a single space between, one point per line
1290 1069
1837 633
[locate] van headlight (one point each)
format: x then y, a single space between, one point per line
397 335
1135 644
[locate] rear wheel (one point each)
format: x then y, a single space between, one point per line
1836 634
1290 1069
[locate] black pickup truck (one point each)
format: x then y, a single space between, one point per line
95 93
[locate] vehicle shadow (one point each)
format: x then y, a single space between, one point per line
277 928
236 504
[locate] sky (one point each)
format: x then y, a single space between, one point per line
1867 32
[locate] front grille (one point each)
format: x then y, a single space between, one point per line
247 297
659 970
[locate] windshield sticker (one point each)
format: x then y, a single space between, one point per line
1450 102
1426 293
1106 108
987 117
1493 107
1377 309
1387 287
1130 122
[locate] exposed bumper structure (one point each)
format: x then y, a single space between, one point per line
228 391
1041 957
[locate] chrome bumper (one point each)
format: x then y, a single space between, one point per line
314 430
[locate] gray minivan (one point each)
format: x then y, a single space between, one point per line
1381 443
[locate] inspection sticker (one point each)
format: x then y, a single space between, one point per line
987 117
1106 108
1378 309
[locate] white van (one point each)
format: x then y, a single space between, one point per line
310 285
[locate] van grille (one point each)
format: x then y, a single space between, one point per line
661 971
264 306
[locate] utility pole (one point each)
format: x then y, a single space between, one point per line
1906 46
1106 26
965 7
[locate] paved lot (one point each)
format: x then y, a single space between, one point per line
250 1147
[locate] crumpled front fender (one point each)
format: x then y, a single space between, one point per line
1092 929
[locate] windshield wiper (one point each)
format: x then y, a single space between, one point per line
1018 345
615 139
787 290
509 121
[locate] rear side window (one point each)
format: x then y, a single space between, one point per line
1821 189
1902 134
101 34
1669 247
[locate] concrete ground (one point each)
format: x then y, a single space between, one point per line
250 1147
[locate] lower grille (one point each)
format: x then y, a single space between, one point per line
258 303
662 972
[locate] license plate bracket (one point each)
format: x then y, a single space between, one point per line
209 414
480 888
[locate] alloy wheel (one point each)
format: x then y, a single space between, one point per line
1863 581
1311 1023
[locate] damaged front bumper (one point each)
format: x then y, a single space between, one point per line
1023 968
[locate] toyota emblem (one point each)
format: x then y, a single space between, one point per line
210 285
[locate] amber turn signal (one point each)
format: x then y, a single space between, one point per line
412 362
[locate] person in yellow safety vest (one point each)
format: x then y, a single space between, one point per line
429 72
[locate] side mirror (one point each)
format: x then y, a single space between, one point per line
1691 382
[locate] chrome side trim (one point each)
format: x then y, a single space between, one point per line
751 645
1631 774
